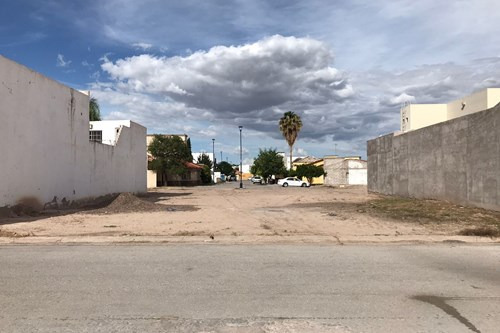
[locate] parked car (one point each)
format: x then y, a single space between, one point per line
293 181
256 180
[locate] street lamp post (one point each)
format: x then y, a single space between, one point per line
213 161
241 161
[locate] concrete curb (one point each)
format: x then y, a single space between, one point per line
248 240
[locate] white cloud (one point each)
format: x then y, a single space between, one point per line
252 85
238 84
142 46
60 62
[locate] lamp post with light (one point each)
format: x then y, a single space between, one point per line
213 161
241 160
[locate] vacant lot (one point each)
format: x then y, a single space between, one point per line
258 214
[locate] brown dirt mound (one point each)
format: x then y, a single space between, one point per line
129 203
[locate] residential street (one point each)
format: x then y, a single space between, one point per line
249 288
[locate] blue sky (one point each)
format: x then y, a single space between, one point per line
205 67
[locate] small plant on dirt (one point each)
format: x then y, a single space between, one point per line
481 232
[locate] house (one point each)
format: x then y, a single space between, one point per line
50 154
321 179
308 160
416 116
303 160
191 178
341 171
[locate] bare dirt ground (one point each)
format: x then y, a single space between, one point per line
268 213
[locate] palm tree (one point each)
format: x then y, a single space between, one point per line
290 125
94 111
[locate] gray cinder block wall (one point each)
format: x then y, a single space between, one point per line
456 161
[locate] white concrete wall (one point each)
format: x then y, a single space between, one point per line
422 115
152 179
473 103
357 177
493 97
45 146
110 129
416 116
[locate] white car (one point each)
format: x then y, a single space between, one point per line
293 181
256 180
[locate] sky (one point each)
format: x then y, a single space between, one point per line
206 67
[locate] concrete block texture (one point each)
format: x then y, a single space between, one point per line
46 156
457 161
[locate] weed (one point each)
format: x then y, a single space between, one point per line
481 231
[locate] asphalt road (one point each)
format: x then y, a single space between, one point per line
214 288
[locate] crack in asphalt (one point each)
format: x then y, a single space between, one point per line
440 302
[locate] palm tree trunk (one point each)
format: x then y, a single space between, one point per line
291 149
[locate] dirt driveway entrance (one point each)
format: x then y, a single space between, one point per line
224 213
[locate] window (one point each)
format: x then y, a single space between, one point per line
95 136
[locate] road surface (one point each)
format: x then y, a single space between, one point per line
237 288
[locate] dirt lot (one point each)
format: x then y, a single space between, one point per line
258 213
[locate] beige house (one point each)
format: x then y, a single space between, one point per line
191 178
415 116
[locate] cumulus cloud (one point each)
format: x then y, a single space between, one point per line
251 84
214 91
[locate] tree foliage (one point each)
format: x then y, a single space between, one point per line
170 155
309 171
206 175
94 110
205 160
225 168
268 163
188 143
290 125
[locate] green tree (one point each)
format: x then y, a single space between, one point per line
268 163
206 175
94 110
290 125
309 171
225 168
170 155
205 160
188 143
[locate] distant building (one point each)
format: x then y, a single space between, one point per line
191 178
106 131
415 116
351 170
304 160
317 180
